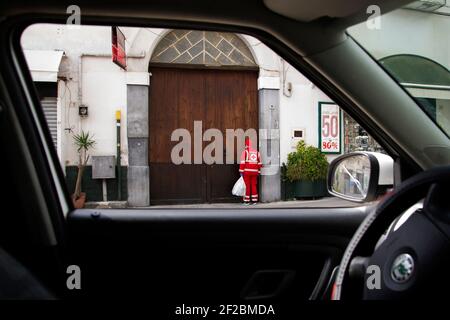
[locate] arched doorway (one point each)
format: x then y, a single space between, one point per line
198 78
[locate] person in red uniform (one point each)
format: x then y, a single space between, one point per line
250 169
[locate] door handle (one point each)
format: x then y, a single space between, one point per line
266 284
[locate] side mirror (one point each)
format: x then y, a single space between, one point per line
361 176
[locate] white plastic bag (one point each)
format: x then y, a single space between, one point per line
239 188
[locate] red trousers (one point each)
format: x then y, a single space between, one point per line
251 187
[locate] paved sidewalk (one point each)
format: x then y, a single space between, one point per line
328 202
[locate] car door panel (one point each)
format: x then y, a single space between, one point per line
210 255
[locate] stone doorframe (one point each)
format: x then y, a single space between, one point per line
269 143
138 180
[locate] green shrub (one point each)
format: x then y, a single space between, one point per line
306 163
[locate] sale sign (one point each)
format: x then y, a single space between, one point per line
329 127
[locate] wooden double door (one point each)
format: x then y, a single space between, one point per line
220 99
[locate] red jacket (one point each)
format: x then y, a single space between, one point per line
250 160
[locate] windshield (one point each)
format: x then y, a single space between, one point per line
412 44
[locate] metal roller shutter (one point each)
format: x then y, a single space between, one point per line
50 111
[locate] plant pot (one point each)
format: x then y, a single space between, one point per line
309 189
283 184
80 201
289 190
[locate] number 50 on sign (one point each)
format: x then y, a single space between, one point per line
329 127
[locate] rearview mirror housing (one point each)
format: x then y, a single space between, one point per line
360 176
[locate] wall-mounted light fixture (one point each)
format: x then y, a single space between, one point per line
289 87
83 111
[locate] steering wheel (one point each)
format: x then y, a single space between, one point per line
412 262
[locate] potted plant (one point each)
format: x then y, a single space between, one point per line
83 141
306 171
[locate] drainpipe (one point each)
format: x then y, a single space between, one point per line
119 173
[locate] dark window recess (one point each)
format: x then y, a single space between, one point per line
298 134
47 92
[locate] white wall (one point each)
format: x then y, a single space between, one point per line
103 85
408 31
299 111
104 92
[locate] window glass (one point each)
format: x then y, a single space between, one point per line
412 44
146 117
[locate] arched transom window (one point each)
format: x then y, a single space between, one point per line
202 48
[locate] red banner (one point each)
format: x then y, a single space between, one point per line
119 56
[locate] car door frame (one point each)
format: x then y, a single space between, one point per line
48 190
